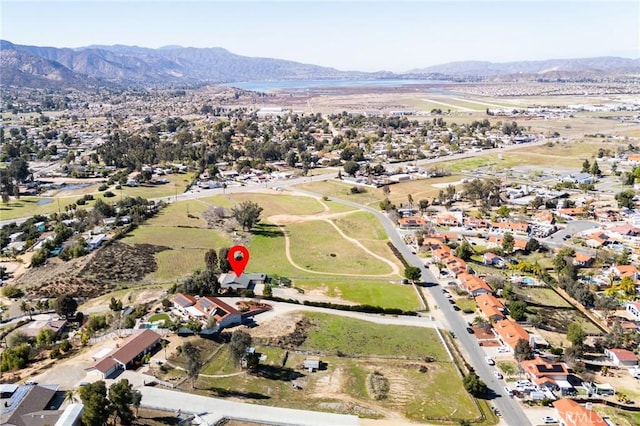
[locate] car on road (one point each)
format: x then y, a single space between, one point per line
490 360
470 330
566 237
549 419
456 307
497 374
508 390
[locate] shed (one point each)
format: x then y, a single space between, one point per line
312 364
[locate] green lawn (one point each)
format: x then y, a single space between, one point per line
509 368
182 213
334 334
364 292
619 417
178 263
317 246
159 317
361 226
466 304
542 296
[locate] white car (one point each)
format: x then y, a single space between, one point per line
549 419
490 360
503 349
497 374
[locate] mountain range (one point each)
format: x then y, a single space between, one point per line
96 66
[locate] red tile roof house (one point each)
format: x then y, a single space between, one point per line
573 414
511 227
124 356
597 239
582 259
622 357
411 222
224 314
543 373
490 307
474 285
510 332
625 271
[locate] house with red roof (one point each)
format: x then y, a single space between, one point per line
550 374
573 414
474 284
597 239
411 222
490 307
126 354
622 271
622 357
583 260
510 332
224 314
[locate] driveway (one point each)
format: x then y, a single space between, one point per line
212 410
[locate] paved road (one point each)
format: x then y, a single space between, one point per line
211 410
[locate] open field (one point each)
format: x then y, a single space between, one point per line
619 417
331 334
419 389
542 296
180 214
561 318
361 226
313 247
365 292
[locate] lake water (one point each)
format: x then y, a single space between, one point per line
297 85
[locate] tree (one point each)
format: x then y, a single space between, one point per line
532 245
386 190
25 307
247 214
351 168
606 304
412 273
121 395
65 305
575 334
474 385
522 350
595 169
464 251
211 260
518 310
211 323
625 199
115 304
508 242
586 166
45 337
410 200
194 361
503 211
423 205
223 262
97 407
240 342
627 286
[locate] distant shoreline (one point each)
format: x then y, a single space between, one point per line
302 85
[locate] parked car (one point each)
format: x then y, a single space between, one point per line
549 419
469 330
503 349
508 390
497 374
490 360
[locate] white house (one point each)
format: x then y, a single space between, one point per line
634 309
622 357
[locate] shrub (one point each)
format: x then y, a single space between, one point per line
103 187
11 291
108 194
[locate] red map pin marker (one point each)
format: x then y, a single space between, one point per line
238 256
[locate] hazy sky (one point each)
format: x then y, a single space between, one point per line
366 35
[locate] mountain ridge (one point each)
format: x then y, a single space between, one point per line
121 65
